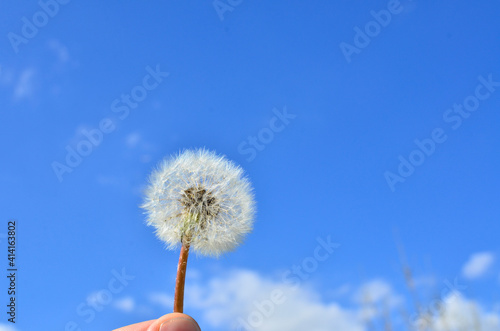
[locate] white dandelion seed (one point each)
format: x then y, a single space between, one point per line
202 201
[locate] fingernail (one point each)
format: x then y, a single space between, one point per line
179 324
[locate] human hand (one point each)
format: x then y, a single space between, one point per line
169 322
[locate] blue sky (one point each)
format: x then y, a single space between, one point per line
363 124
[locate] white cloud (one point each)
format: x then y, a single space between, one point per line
243 299
378 291
458 313
162 299
246 300
126 304
5 327
478 265
24 85
375 298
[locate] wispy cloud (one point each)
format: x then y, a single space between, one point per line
478 264
94 298
126 304
5 327
24 86
132 139
136 143
378 291
60 50
162 299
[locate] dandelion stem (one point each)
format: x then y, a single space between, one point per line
181 279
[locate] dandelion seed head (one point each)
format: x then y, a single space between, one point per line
201 199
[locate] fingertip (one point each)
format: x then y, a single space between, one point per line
143 326
175 322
